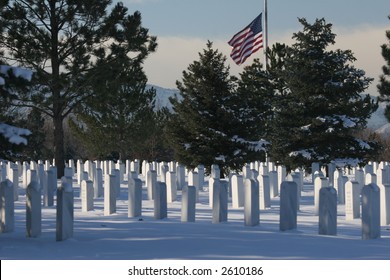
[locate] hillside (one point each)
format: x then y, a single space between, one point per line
163 95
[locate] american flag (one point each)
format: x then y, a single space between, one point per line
247 41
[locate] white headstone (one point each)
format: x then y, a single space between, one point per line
319 183
151 182
237 191
211 190
193 180
296 177
339 181
32 175
86 195
68 172
64 215
7 214
188 204
281 175
109 195
117 182
288 205
369 169
71 165
33 210
220 201
370 179
164 168
251 203
171 186
360 178
352 200
14 176
264 192
246 170
201 170
98 183
48 195
328 211
315 167
382 174
371 228
160 201
24 175
80 171
135 197
273 183
263 169
385 203
331 170
215 171
180 176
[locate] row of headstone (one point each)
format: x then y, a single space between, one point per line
350 188
44 174
288 208
32 173
64 213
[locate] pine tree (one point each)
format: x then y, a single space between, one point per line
63 41
121 112
11 79
255 102
315 120
210 124
384 79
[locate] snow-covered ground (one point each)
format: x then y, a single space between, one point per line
117 237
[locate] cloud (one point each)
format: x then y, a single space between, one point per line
174 54
365 42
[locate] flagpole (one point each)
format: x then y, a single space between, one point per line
266 35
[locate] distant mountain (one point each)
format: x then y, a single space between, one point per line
163 95
378 118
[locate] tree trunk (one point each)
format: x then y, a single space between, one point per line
58 102
59 153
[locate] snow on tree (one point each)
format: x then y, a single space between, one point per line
12 133
315 121
212 123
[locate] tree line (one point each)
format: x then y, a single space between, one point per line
308 106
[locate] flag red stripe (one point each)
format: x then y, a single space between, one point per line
241 52
247 41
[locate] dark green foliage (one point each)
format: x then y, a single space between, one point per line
316 117
212 122
34 122
68 43
121 117
384 79
254 99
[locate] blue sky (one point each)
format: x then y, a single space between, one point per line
184 26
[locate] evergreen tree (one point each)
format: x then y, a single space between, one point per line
210 124
66 43
121 112
151 143
315 120
256 94
384 79
11 79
